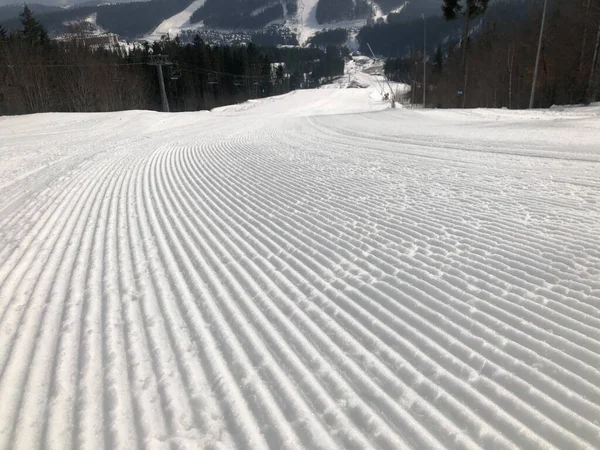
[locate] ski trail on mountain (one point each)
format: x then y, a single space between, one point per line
177 22
265 276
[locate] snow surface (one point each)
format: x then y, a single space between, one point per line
366 73
310 271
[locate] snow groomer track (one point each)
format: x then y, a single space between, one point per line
310 271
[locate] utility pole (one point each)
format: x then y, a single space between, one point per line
159 61
537 58
413 99
424 61
392 96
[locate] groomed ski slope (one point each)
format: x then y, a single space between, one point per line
308 271
172 26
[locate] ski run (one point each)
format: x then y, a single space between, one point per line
315 270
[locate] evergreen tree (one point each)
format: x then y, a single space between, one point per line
3 33
279 73
337 36
32 29
469 9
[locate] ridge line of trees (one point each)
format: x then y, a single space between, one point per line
38 74
493 66
128 20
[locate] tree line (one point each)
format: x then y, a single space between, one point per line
38 74
490 62
336 36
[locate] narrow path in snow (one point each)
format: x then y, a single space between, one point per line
252 278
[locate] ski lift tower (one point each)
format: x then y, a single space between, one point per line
159 61
392 97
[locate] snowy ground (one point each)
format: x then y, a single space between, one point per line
314 270
365 73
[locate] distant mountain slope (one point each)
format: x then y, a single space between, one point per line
62 3
253 14
249 14
391 5
329 11
175 23
129 20
156 18
402 34
413 9
304 17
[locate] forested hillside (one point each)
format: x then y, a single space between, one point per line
401 39
136 19
411 9
403 33
492 68
336 36
244 14
500 56
41 75
329 11
128 20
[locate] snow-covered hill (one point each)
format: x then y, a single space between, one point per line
306 25
310 271
303 22
174 25
296 16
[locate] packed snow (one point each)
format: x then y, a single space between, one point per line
314 270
